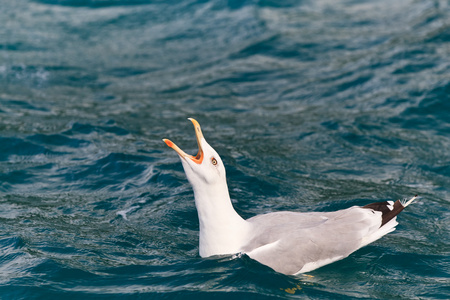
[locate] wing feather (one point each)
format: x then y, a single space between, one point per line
301 242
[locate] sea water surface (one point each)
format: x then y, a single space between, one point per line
312 105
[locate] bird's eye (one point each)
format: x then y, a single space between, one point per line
214 161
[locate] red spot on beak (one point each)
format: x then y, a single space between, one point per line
168 143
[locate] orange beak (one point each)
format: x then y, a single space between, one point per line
199 135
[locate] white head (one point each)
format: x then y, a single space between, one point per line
204 169
221 228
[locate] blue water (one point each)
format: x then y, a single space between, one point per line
312 105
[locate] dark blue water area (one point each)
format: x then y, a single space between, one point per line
312 105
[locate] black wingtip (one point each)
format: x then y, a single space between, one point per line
388 210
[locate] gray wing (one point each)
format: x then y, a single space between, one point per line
291 243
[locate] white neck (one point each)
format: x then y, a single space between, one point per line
222 230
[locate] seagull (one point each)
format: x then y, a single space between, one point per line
288 242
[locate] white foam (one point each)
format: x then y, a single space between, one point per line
124 212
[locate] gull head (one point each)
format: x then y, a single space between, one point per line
204 168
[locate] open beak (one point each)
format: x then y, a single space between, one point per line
199 135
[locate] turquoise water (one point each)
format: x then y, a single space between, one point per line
313 106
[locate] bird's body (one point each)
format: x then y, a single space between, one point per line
320 237
288 242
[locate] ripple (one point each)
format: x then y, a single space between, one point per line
313 106
16 147
79 128
93 3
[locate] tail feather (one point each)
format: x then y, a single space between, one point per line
388 209
405 203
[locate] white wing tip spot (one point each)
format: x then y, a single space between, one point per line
390 205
